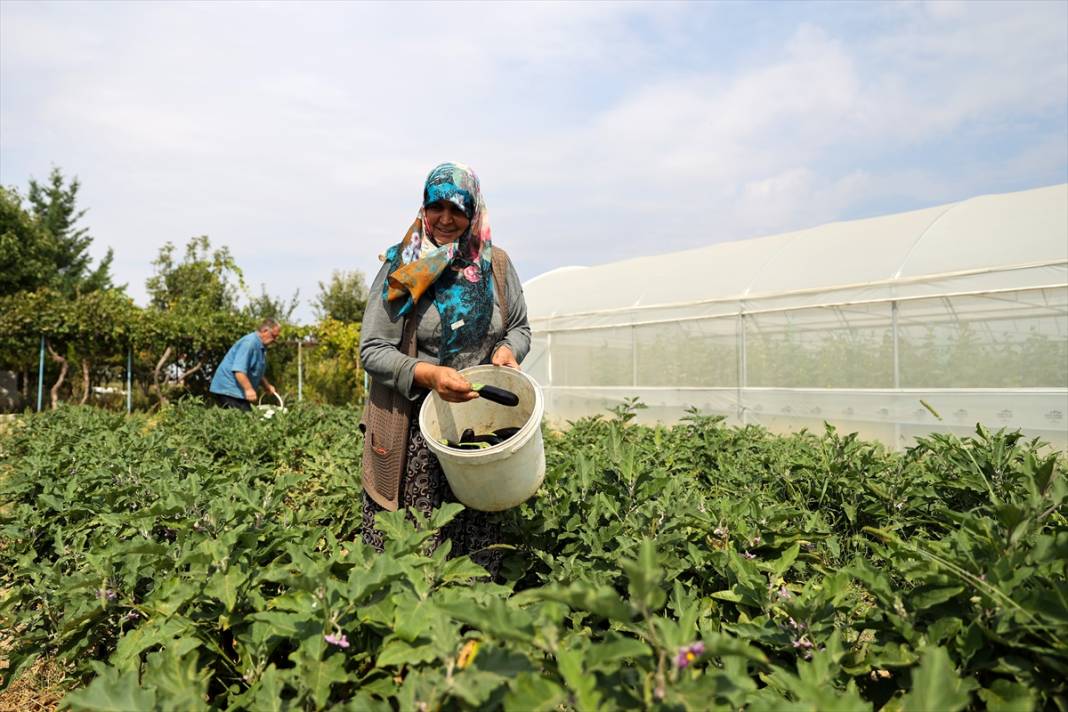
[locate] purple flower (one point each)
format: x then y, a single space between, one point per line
688 653
747 555
132 616
784 593
337 639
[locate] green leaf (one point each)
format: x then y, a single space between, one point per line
495 617
394 525
269 691
180 684
599 600
317 675
721 645
384 570
149 634
730 596
583 685
501 661
606 655
413 617
112 691
363 701
398 652
784 562
281 623
933 597
224 586
171 595
530 692
474 686
936 685
1006 696
645 576
890 655
461 569
444 514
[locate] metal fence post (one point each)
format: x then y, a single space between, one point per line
129 380
40 376
300 372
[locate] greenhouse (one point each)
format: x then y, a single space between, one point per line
894 326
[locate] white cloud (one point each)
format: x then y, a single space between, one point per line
299 134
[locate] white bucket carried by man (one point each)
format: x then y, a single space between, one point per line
498 476
267 410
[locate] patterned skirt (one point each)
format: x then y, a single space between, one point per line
423 489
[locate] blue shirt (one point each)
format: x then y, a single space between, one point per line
249 356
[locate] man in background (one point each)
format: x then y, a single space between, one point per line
241 371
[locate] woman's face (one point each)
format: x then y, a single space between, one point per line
446 220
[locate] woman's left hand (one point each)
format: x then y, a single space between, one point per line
504 357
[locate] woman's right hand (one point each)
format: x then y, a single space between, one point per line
446 382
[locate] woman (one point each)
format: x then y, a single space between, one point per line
444 300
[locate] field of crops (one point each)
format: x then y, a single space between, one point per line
199 558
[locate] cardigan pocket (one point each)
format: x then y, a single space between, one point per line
386 419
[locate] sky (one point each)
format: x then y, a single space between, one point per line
299 134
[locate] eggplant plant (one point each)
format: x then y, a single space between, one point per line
206 559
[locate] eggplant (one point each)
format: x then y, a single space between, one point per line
505 433
467 435
488 438
463 446
495 394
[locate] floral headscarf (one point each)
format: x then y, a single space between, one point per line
458 275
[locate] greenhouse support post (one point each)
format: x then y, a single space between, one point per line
549 369
300 373
129 379
897 371
741 377
40 377
893 340
634 356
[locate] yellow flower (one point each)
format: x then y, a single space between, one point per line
467 654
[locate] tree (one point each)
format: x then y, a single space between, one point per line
265 306
193 315
54 207
204 280
27 252
343 299
45 267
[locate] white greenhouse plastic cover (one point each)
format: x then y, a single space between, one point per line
963 306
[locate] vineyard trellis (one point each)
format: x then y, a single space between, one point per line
167 353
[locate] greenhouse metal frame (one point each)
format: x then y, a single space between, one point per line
893 327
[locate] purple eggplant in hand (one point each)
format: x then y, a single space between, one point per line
495 394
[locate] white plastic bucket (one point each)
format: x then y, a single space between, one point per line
503 475
268 411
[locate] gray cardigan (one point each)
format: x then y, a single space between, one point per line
380 336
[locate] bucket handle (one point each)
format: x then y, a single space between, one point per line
276 394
